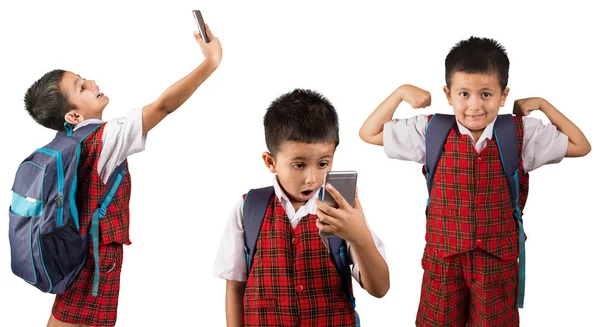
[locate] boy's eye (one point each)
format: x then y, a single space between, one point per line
298 165
464 94
486 95
323 164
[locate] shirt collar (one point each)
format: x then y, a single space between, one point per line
487 134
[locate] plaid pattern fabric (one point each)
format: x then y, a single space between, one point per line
474 289
470 267
114 226
78 306
293 281
470 203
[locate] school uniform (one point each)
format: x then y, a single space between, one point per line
293 281
101 152
470 258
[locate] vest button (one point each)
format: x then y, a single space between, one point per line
299 288
294 241
478 160
478 243
478 201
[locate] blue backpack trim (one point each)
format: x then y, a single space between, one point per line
253 213
505 133
47 248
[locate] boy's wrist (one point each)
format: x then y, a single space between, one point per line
544 105
400 92
211 63
361 239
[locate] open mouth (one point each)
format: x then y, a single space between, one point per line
306 195
99 95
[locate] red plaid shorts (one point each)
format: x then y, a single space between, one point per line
77 305
474 289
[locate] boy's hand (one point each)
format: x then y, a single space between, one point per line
345 221
416 97
523 107
212 50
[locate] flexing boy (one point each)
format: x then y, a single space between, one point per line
472 240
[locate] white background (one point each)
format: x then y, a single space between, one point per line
200 160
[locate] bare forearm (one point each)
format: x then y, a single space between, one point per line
374 272
578 144
372 129
182 90
234 307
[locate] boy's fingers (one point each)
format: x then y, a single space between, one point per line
324 227
209 32
324 207
339 199
324 217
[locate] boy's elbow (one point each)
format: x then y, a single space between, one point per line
587 149
576 151
382 290
362 135
371 139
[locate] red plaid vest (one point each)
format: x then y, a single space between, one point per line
470 202
293 281
114 226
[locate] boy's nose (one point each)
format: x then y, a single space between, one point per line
311 177
475 104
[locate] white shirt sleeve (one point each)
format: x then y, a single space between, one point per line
230 263
404 139
380 248
542 144
122 137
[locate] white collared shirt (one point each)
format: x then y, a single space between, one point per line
404 139
121 138
230 263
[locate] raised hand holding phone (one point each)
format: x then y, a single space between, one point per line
201 25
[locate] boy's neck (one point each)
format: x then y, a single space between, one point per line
476 135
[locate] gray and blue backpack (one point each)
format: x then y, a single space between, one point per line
46 246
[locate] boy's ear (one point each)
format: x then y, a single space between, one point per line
73 117
269 161
504 96
447 93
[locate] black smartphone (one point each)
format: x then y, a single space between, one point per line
201 26
345 183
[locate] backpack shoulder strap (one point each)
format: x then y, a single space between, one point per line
81 133
436 134
253 213
341 261
505 132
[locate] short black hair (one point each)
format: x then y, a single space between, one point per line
301 115
478 55
46 103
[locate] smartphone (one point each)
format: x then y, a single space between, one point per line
201 26
345 183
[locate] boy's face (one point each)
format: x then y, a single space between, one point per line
85 96
301 168
476 99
